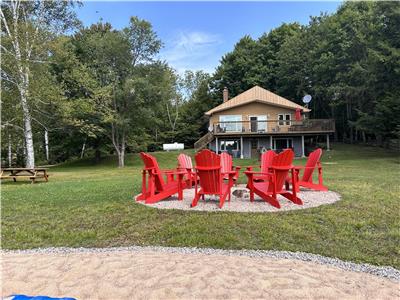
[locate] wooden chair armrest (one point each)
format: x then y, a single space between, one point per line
258 173
229 173
282 168
298 167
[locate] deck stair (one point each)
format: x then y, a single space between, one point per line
204 141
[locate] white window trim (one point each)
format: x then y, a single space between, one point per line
265 123
284 121
237 125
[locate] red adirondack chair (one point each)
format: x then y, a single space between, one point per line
154 187
185 164
306 180
266 163
269 189
208 168
227 166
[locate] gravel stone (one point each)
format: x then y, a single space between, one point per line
381 271
310 199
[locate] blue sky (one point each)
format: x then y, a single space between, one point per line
197 34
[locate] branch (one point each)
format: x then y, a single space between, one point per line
11 125
44 126
7 77
7 51
5 23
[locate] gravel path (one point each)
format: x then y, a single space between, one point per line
243 204
381 271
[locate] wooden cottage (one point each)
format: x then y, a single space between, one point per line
257 120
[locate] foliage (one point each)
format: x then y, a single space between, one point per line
348 61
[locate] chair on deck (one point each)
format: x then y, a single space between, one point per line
273 183
306 180
154 187
227 166
208 169
266 163
185 165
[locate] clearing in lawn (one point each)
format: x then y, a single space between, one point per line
86 205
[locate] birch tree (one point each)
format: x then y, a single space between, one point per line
27 29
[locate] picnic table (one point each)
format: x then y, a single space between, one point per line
31 173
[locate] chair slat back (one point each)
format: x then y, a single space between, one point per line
283 159
208 166
150 162
266 160
185 161
226 162
311 163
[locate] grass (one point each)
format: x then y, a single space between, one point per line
86 205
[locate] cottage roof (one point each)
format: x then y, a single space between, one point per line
256 94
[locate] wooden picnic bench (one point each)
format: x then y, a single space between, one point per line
31 173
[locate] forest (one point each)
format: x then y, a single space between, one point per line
70 91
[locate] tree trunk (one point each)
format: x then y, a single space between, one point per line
83 149
28 135
9 151
97 155
46 144
121 159
364 138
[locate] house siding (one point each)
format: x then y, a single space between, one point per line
253 109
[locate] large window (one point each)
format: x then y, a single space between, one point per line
284 119
231 123
258 123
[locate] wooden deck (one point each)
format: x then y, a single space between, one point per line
274 127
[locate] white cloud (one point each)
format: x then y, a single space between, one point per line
193 50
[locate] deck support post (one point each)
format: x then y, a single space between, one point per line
270 142
241 147
302 147
328 148
216 145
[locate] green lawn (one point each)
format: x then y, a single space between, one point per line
86 205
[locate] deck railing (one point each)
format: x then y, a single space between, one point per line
274 126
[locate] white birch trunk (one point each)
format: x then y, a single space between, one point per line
28 135
23 74
83 149
118 140
46 143
121 159
9 151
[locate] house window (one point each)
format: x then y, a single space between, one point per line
231 123
230 145
258 123
284 119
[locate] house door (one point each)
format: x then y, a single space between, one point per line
253 124
254 148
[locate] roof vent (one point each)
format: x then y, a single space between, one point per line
225 94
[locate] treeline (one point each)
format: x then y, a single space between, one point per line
98 90
71 91
348 61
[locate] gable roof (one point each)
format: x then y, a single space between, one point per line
256 94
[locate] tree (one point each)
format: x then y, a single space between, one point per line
27 29
348 61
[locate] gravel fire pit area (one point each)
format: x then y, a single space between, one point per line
240 201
